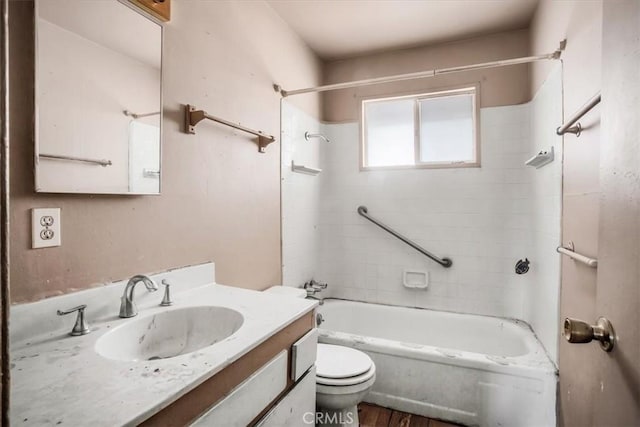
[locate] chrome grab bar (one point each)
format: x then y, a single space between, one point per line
101 162
445 262
568 126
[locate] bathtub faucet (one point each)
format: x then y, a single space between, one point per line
320 300
313 287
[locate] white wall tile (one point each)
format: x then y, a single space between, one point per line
461 213
542 284
300 198
485 219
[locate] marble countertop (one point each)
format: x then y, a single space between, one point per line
57 379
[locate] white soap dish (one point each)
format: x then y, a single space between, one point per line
540 159
415 279
304 169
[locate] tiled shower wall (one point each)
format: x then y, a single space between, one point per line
542 290
478 217
484 219
300 197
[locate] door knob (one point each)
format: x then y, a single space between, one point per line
579 332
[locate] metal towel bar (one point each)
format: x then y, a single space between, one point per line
192 117
569 127
76 159
140 115
445 262
571 253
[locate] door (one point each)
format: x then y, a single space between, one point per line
616 399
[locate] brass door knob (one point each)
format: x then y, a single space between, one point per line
579 332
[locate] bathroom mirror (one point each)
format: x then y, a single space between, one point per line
98 98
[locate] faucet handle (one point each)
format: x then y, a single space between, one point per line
166 300
81 327
319 285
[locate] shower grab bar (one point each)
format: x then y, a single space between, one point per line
569 127
102 163
571 253
445 262
192 117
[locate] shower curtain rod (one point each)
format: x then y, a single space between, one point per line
424 74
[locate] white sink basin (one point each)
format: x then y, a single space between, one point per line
169 333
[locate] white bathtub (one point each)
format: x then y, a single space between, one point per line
474 370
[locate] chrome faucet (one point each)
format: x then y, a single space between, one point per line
166 300
320 300
313 287
81 327
127 306
314 284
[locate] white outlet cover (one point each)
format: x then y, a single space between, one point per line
36 228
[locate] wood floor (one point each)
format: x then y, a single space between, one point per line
377 416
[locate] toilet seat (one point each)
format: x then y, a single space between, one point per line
342 366
345 382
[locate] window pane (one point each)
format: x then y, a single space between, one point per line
389 133
446 129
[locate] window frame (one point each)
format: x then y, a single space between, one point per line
468 89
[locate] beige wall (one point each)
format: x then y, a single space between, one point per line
220 198
580 22
498 86
617 374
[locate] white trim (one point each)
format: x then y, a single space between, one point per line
470 89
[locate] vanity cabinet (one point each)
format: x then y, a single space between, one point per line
250 398
272 385
297 407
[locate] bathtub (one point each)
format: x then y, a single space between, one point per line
473 370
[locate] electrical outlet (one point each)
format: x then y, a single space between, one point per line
45 228
46 221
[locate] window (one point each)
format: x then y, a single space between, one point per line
430 130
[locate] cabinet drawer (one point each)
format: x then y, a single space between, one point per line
249 399
297 408
303 354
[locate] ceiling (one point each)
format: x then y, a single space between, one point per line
337 29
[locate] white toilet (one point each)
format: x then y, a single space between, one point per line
344 376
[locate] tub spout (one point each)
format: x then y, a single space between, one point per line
320 300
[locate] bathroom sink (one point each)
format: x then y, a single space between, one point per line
169 333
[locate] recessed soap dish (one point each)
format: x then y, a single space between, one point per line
415 279
541 159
